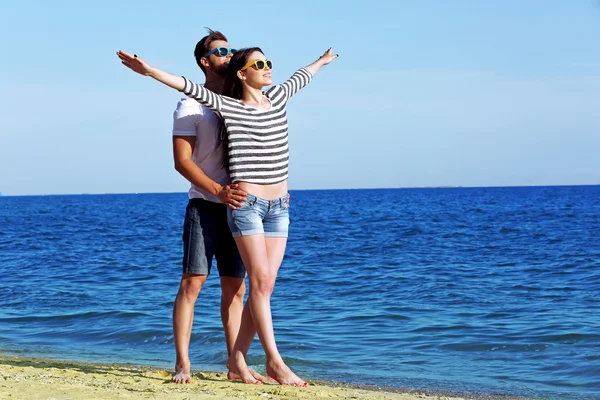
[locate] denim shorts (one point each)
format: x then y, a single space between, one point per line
260 216
206 235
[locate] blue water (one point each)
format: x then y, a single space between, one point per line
491 290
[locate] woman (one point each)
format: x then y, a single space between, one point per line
257 140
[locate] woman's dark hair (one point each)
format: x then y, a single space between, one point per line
224 143
233 86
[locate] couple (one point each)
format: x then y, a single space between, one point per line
255 205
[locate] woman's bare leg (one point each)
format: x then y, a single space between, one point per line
276 367
262 258
254 255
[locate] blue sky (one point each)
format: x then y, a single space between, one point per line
425 93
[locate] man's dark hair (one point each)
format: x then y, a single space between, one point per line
203 46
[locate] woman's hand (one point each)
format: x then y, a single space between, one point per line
134 63
328 57
325 59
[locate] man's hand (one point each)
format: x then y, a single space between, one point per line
232 196
134 63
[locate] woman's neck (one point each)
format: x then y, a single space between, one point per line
254 97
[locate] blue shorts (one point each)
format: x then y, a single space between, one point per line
206 235
260 216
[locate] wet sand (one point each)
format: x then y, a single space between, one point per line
30 378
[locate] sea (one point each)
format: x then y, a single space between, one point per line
469 290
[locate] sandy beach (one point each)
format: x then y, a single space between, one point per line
29 378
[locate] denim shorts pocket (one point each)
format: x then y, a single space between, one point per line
246 220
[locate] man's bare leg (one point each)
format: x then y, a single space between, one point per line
183 319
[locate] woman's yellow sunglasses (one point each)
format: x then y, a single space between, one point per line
258 65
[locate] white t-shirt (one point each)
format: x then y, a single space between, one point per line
190 118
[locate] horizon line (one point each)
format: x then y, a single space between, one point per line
308 190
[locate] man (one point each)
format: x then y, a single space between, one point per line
199 156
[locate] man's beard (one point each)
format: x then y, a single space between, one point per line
221 70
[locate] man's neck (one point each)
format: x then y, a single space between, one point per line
214 83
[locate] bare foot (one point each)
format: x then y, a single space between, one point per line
283 374
232 376
263 379
182 373
239 371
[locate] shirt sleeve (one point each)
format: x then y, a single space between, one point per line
301 78
186 117
202 95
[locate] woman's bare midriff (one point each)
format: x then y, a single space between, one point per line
267 192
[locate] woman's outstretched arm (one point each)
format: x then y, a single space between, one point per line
140 66
204 96
303 76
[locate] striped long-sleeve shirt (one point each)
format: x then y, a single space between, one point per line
258 139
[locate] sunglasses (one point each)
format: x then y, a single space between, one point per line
259 64
222 51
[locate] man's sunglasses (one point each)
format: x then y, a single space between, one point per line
259 64
222 51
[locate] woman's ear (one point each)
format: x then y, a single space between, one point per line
241 75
